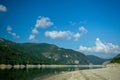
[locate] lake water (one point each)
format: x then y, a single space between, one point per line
31 74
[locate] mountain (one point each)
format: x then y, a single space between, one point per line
38 53
96 60
10 55
116 59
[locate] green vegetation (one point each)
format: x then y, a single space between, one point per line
13 56
116 59
39 53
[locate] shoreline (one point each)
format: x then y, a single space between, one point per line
110 72
27 66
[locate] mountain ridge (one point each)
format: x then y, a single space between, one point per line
47 53
96 60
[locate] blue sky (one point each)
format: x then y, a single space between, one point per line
89 26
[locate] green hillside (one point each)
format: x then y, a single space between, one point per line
40 53
10 55
116 59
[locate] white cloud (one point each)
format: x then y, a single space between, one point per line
58 34
32 37
9 30
35 31
66 34
14 34
82 29
3 8
101 47
62 35
43 22
77 36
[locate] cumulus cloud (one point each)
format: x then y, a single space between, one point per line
32 37
101 47
42 22
66 34
3 8
77 36
9 30
35 31
58 34
62 35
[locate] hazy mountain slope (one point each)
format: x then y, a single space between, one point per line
96 60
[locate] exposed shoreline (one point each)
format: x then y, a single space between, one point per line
27 66
108 72
111 72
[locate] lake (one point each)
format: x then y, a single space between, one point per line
33 73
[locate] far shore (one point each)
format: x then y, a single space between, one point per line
27 66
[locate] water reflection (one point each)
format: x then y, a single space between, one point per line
30 74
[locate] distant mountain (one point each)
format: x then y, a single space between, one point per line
116 59
38 53
96 60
